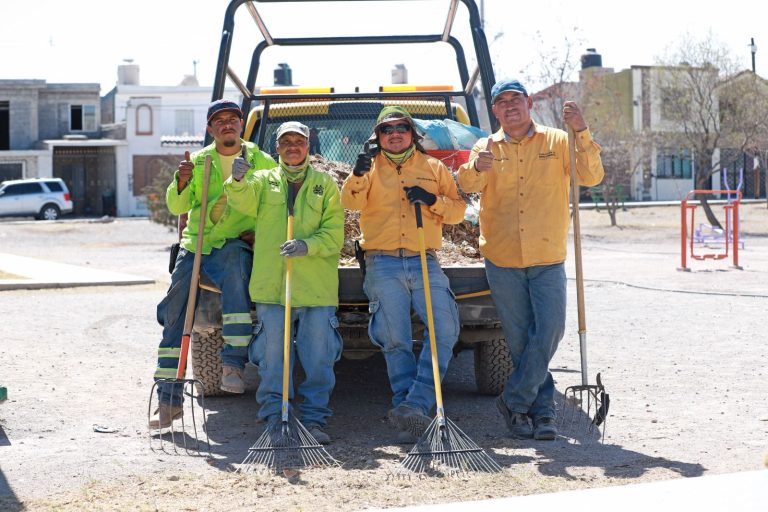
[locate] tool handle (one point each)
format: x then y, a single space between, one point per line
430 317
189 318
577 256
287 318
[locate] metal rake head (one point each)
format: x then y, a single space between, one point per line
181 433
285 445
585 411
444 449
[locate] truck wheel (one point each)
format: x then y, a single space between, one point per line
206 363
492 366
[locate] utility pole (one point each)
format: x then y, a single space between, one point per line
753 49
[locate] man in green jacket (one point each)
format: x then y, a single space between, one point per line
317 240
227 255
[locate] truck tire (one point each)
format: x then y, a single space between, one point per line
206 363
492 366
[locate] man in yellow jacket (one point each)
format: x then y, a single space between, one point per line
385 189
226 259
522 171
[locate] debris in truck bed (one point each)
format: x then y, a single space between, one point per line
459 241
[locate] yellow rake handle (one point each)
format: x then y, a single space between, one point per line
189 318
430 318
287 321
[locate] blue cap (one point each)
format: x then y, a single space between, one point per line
507 85
223 106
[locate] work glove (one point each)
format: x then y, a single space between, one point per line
417 195
364 160
363 164
293 248
240 165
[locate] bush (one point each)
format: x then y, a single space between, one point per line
155 197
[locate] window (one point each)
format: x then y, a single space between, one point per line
143 120
54 186
674 164
82 118
185 122
20 189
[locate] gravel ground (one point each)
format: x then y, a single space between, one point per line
680 353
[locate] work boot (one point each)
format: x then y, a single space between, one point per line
165 415
517 422
544 429
409 419
405 437
232 380
320 436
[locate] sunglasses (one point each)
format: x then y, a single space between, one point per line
389 129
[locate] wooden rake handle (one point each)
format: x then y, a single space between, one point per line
287 318
189 318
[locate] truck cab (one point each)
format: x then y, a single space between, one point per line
342 118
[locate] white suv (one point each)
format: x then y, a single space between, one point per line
45 198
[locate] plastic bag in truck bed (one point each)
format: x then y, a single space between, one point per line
447 134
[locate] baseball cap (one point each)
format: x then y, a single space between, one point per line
292 127
223 106
508 84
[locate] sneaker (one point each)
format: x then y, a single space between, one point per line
544 429
517 422
409 419
405 437
165 415
232 380
320 436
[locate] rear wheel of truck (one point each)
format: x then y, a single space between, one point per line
492 366
206 363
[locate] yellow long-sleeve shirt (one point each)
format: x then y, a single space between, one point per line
524 206
387 218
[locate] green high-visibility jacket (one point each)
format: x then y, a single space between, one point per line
231 223
318 220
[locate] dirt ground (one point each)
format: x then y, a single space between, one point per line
682 354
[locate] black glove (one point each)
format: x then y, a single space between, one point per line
363 164
419 195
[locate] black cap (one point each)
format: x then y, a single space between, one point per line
223 106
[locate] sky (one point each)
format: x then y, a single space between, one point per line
82 41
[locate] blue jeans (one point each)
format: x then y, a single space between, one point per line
317 342
394 285
229 268
531 305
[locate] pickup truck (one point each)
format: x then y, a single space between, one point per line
342 121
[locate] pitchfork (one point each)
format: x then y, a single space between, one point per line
585 406
191 388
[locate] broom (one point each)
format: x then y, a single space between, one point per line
285 443
591 398
443 448
189 386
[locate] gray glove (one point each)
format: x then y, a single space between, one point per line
240 166
293 248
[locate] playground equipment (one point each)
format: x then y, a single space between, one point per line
729 236
708 234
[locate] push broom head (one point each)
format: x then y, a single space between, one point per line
444 450
285 445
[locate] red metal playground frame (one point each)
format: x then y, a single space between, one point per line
730 238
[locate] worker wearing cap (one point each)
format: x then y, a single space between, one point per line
385 189
227 253
315 247
523 174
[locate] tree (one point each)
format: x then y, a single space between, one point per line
705 105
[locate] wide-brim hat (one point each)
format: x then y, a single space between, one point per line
394 113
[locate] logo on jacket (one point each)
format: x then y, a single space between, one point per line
318 190
547 155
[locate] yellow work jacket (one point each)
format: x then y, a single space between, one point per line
524 202
387 218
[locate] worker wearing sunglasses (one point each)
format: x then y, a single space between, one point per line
385 185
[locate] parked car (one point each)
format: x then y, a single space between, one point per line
43 198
